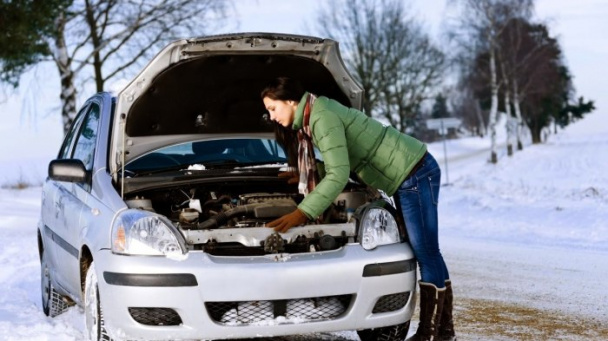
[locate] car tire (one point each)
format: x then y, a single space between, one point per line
93 316
53 303
390 333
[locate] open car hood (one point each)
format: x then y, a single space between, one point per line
204 87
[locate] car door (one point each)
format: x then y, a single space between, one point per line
51 205
71 199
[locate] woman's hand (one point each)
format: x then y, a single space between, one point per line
288 221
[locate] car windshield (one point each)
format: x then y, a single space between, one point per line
236 152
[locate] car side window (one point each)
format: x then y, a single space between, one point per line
84 149
66 148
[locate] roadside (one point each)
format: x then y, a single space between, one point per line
519 292
494 320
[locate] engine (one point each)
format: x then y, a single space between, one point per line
202 208
202 213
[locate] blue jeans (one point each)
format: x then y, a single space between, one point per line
418 196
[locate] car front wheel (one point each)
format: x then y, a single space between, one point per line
53 303
390 333
93 316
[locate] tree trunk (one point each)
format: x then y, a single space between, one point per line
96 42
482 124
66 75
508 124
68 98
507 99
536 131
520 121
494 106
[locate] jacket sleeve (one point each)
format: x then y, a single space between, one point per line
329 137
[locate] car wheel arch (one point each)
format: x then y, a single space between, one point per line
40 245
86 258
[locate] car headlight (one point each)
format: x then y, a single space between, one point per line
378 227
137 232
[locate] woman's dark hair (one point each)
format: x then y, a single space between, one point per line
285 89
288 139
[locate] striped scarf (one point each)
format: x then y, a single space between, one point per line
306 155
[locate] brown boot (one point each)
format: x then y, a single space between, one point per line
431 303
446 323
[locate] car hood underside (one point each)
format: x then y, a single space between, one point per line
212 86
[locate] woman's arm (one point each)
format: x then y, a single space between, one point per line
330 138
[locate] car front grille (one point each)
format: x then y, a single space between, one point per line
391 302
156 316
294 311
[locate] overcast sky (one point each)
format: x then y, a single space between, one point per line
580 25
30 116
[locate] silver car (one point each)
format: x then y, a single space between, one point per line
153 214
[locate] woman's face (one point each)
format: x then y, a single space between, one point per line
280 111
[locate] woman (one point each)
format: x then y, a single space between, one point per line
384 159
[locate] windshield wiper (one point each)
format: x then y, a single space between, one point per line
228 163
240 164
139 172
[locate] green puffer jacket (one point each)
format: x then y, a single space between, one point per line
349 140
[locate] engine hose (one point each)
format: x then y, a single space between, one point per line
218 201
222 218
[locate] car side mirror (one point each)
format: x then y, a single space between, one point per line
70 170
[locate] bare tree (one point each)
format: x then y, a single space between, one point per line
414 68
520 52
528 55
466 106
357 26
464 98
480 25
388 53
113 35
507 103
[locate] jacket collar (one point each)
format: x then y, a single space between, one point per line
299 113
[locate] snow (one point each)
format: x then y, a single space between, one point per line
530 230
196 167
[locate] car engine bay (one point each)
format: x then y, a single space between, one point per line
229 218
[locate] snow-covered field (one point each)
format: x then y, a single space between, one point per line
531 230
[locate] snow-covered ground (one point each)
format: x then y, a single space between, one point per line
531 230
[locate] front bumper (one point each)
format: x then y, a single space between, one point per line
350 281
